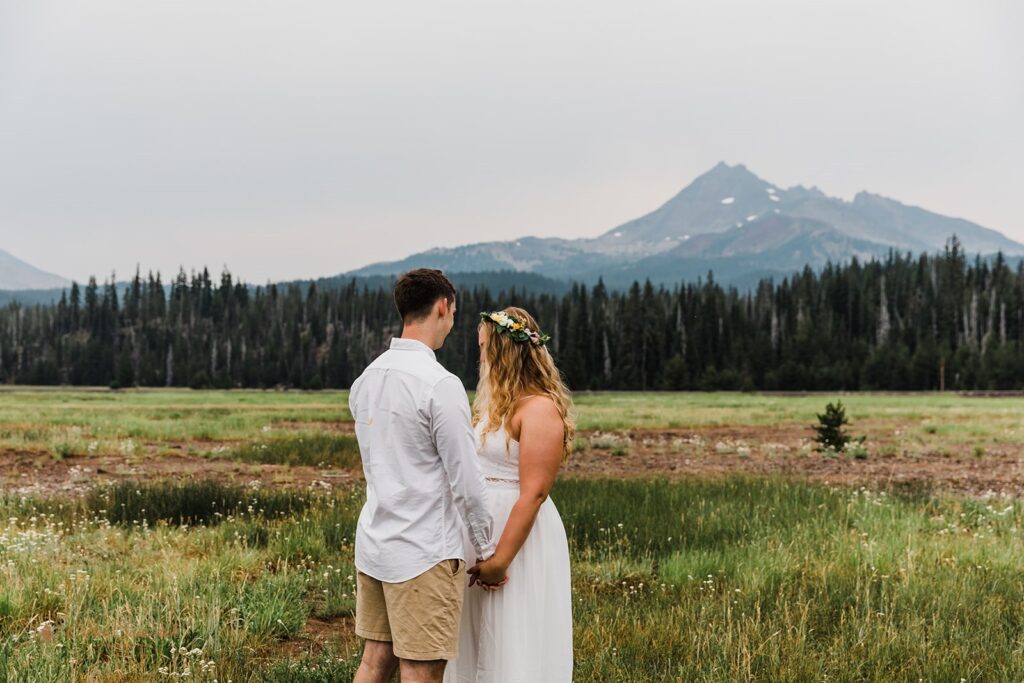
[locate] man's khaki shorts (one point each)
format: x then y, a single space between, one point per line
420 617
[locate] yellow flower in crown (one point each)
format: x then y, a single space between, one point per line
517 326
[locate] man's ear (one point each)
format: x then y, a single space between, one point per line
441 307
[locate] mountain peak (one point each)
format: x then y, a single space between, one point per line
715 201
724 170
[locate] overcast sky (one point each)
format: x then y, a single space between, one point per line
302 139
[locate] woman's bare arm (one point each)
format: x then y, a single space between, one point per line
541 437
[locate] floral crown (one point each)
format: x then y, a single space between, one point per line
514 328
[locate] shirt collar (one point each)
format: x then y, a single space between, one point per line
399 344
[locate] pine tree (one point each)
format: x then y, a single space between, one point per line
831 435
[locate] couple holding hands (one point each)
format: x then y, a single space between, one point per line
445 486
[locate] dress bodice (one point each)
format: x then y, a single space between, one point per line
498 463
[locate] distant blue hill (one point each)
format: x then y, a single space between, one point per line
496 282
15 274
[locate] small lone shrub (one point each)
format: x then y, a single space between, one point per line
831 434
832 438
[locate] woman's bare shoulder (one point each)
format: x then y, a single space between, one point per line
538 409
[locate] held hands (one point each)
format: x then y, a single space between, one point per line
489 574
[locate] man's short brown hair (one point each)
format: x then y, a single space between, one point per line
417 291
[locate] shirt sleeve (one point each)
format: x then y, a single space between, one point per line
452 430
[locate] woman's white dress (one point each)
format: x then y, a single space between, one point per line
521 633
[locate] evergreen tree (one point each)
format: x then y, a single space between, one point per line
903 322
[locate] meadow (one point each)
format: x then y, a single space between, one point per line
103 421
679 574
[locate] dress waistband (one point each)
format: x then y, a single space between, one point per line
502 482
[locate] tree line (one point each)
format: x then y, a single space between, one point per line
925 322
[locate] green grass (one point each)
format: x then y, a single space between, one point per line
713 580
318 449
202 502
222 592
100 421
75 422
748 579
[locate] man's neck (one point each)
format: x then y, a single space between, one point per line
420 334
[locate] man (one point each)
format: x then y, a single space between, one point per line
419 458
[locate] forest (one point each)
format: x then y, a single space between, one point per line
905 322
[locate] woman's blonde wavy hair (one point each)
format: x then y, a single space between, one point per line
507 369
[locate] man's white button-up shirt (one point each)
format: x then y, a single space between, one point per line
422 474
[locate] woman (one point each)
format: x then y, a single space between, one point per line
518 628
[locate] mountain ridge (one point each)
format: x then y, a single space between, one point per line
724 199
727 220
16 274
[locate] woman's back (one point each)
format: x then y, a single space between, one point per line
499 456
523 631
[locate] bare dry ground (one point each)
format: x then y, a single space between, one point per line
318 636
769 451
704 451
27 473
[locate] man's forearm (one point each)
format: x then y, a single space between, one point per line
477 516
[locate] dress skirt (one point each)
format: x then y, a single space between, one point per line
521 633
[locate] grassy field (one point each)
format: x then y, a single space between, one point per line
688 578
103 421
725 580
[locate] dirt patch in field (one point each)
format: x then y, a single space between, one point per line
896 460
334 635
785 451
27 473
